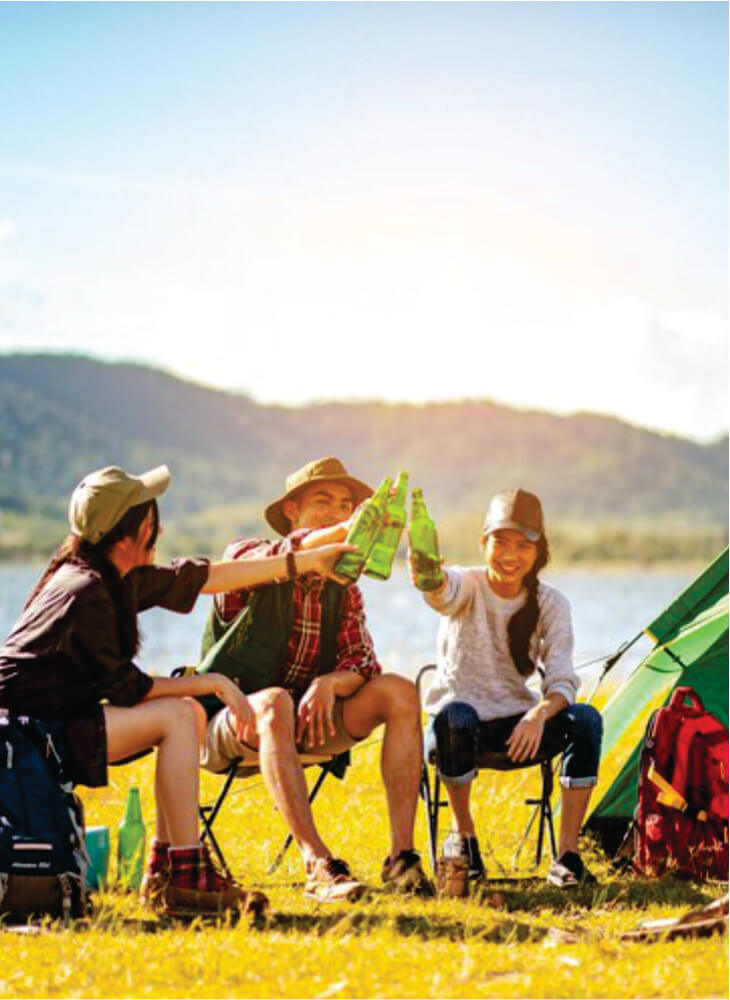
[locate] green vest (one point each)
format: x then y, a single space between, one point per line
252 648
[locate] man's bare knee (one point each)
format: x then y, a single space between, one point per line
275 710
399 697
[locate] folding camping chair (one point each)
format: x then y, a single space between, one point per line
335 764
430 791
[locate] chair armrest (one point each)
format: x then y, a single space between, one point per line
424 670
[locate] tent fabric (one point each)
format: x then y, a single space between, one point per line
702 593
691 649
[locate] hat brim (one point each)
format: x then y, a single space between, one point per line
154 483
276 517
529 533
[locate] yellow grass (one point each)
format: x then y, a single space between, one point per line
514 940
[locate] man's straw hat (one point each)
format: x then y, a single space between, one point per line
321 469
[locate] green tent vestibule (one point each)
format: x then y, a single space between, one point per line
691 648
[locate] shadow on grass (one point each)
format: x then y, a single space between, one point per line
527 895
496 901
427 926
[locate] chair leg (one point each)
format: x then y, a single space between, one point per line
208 814
207 832
548 807
289 838
436 804
543 811
526 832
546 812
425 791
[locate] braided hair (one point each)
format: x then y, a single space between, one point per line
523 622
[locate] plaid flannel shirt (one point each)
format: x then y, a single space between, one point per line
355 650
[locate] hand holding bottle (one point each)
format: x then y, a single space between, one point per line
323 559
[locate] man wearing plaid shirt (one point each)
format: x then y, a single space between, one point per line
325 713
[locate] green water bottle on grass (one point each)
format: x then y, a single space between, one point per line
382 555
424 544
363 532
130 844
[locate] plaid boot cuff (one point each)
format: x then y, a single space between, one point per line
159 857
187 867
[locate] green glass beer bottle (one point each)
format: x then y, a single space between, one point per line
424 545
130 844
381 558
363 532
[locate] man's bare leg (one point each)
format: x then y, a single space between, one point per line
392 700
281 769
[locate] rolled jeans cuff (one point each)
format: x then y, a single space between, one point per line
461 779
567 782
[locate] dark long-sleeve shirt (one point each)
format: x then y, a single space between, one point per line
64 654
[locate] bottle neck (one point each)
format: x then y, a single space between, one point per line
401 489
133 810
418 507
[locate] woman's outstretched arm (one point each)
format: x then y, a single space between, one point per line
239 574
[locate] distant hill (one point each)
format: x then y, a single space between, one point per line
63 415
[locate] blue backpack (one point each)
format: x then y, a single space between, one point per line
43 859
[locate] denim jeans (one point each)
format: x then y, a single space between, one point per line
458 737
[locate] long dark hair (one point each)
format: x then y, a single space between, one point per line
523 622
74 549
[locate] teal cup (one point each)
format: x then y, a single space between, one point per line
97 846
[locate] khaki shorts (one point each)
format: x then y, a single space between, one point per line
222 746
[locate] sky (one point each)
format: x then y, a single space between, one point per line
526 202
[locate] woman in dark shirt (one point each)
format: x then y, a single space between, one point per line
69 659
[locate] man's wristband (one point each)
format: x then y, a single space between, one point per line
291 566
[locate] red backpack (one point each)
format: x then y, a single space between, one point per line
681 819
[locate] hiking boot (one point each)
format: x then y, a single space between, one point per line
196 888
458 846
405 874
568 871
329 880
156 876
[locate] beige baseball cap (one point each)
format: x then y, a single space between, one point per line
320 469
103 498
517 509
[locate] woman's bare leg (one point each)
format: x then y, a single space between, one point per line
170 724
574 803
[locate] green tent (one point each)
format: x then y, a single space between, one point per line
691 648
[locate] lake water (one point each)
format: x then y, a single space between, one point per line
609 607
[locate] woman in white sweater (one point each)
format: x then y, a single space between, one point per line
501 623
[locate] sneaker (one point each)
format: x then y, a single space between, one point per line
196 888
568 871
458 846
329 880
405 874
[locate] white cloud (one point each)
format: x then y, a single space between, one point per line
7 229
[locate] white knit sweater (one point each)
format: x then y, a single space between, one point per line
473 659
